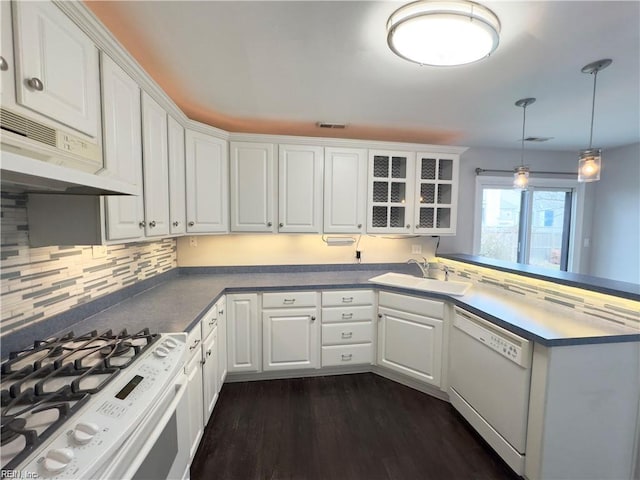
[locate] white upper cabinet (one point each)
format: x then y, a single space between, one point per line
156 167
253 187
57 72
412 193
390 191
122 150
207 180
436 188
177 193
300 169
345 190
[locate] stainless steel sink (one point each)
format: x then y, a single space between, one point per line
423 284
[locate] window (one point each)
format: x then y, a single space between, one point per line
533 227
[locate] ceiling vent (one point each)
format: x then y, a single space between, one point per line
330 125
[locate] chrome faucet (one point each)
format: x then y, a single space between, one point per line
424 266
446 273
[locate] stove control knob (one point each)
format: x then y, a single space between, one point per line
84 432
161 352
170 343
57 460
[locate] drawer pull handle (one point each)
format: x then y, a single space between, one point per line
347 316
346 357
347 299
347 334
195 344
289 301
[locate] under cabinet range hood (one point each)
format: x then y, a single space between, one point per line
20 173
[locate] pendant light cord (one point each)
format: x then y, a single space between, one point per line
593 107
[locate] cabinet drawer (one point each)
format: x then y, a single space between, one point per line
340 298
407 303
347 314
209 321
289 299
194 339
346 333
347 355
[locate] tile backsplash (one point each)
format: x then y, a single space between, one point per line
40 282
605 307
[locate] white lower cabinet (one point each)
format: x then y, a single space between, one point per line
290 333
410 335
244 352
210 373
194 390
222 341
347 327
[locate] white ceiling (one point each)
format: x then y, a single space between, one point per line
309 61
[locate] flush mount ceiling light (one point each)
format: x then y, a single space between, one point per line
591 158
443 33
521 173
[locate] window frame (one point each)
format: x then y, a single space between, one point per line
576 225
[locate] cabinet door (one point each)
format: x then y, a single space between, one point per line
122 150
436 190
222 342
177 206
345 190
244 352
7 69
390 204
56 66
300 188
410 344
195 396
210 373
207 177
155 167
253 187
290 339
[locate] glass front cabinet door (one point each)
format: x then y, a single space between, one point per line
412 193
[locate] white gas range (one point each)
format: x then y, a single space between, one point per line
109 406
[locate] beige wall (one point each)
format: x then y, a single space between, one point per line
287 249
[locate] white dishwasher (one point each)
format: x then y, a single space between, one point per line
490 376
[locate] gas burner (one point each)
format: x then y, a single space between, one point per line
12 429
115 350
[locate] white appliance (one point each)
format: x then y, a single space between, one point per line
126 416
490 377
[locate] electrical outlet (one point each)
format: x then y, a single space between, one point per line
193 241
416 249
99 251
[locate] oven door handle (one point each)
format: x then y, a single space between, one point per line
180 388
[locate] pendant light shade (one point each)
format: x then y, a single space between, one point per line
521 173
590 161
443 33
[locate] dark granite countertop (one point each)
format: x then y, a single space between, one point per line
178 304
176 300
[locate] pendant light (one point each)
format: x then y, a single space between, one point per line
443 32
590 160
521 173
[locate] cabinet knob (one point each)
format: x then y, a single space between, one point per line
313 318
408 226
380 316
3 64
209 353
191 224
281 225
175 224
36 84
142 224
269 224
152 223
359 225
221 312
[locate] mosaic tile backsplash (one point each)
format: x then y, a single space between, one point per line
40 282
606 307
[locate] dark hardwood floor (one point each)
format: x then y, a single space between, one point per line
340 427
